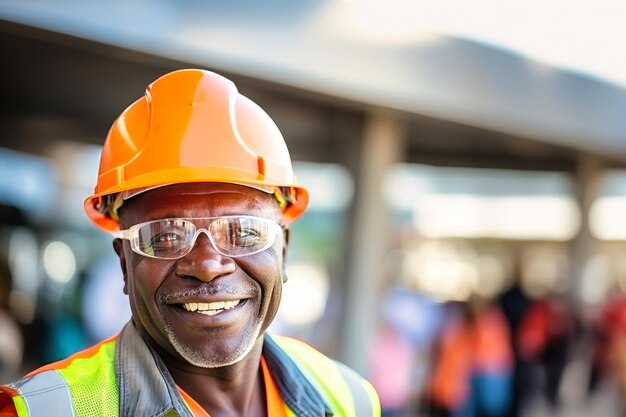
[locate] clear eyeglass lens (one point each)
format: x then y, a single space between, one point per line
165 238
241 235
231 236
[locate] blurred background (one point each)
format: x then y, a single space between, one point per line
466 164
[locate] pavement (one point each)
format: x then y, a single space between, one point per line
575 401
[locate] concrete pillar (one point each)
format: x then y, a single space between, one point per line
588 186
382 145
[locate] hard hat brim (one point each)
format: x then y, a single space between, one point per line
297 204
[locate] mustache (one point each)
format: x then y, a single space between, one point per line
207 290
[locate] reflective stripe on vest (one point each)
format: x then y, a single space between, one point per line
361 395
45 394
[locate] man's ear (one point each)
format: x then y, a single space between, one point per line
285 245
118 246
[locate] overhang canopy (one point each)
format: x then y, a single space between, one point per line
469 104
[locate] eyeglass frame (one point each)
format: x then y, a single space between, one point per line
132 235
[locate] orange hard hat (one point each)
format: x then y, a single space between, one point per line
193 126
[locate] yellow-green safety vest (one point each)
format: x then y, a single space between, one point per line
87 384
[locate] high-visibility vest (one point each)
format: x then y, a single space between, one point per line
84 385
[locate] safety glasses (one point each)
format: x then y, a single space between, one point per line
174 238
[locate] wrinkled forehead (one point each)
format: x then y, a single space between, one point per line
199 200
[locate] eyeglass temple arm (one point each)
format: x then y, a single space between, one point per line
124 234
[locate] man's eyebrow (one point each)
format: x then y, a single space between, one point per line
168 215
268 212
266 208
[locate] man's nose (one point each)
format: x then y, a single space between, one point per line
204 262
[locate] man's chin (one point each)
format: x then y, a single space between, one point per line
219 355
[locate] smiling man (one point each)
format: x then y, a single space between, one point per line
196 184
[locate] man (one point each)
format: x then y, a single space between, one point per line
196 182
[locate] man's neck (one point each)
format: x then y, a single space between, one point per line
234 390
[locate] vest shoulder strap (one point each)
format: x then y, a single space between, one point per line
82 385
346 392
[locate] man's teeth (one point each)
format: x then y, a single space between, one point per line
210 309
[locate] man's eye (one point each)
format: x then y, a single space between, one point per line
246 237
165 239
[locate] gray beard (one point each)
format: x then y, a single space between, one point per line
200 359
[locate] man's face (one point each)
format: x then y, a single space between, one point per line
159 289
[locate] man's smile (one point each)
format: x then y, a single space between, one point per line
211 309
208 300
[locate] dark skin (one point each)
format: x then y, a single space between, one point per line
215 359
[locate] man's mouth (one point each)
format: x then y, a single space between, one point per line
210 309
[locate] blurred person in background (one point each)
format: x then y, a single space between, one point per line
392 363
546 337
609 353
472 372
515 303
11 340
400 351
196 183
